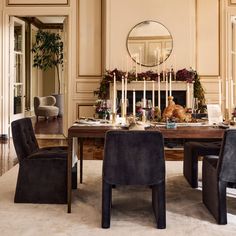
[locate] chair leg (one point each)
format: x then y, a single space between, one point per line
214 193
106 204
159 204
74 176
190 167
222 203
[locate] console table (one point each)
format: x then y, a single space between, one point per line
81 132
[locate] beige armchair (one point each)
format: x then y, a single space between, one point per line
45 106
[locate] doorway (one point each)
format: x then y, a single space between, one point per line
29 81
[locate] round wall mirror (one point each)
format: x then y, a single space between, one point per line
149 43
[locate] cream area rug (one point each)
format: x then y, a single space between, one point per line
131 212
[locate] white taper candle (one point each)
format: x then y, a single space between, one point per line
134 103
159 92
153 93
144 92
226 94
114 93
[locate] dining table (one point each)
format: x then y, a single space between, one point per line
78 132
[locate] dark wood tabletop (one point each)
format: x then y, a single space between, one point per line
187 132
81 132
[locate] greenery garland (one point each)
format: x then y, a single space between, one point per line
190 76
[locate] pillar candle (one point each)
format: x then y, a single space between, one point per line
166 89
114 93
226 94
144 92
153 94
134 103
170 82
159 92
220 93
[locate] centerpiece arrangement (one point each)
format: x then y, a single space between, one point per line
178 112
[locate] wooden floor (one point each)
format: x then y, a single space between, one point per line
49 126
93 149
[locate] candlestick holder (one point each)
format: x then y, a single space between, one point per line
113 118
122 109
226 114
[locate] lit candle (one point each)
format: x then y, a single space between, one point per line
159 92
226 94
134 103
220 94
170 83
166 89
125 110
153 94
144 92
114 93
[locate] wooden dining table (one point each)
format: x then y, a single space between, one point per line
77 133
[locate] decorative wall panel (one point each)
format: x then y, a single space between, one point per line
90 38
208 37
37 2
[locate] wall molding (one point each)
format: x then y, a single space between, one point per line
231 2
219 38
10 3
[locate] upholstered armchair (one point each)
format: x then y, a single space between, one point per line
45 106
42 176
219 172
134 158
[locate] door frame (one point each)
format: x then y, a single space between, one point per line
70 13
12 72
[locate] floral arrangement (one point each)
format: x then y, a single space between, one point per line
102 108
186 75
190 76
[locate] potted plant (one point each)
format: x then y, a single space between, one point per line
48 53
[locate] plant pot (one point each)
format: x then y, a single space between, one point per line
59 103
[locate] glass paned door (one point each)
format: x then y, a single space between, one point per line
17 68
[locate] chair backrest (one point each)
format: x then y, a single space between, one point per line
44 101
227 159
134 158
23 138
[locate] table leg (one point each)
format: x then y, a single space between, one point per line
69 171
81 141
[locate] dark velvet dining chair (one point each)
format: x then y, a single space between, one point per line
134 158
42 176
192 151
219 172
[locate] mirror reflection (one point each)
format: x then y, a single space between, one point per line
149 43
